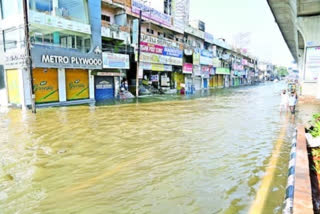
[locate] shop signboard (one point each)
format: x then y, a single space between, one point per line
312 69
206 57
15 59
237 67
208 37
150 13
51 57
174 52
205 70
160 41
196 70
244 62
115 61
151 48
196 57
155 67
187 68
225 71
160 59
216 62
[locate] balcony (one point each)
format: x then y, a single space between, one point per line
118 3
116 32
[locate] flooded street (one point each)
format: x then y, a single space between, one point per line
205 155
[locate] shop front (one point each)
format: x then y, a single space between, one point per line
45 83
197 79
206 61
206 72
222 74
187 71
107 82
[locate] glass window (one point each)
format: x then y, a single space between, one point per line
76 10
10 7
70 40
10 39
41 5
2 84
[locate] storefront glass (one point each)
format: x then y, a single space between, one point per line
77 84
46 85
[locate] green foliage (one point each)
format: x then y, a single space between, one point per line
282 71
315 131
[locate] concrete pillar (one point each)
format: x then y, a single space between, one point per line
116 86
55 6
62 85
26 84
91 86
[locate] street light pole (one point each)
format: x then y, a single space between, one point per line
138 60
28 54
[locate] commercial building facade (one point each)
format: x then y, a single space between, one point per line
82 51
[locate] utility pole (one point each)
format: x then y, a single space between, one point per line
138 60
28 53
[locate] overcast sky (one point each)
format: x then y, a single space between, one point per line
227 18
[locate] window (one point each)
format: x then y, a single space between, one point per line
105 18
10 39
2 84
70 40
150 31
10 7
76 10
41 5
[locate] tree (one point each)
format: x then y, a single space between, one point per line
282 71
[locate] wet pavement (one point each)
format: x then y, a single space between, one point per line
165 154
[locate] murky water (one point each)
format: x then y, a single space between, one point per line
204 155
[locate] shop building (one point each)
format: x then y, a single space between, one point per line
65 48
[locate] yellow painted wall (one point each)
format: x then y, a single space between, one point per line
220 80
45 83
13 86
77 84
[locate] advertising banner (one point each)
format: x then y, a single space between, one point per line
206 57
151 48
160 59
174 52
150 13
216 62
77 84
115 61
161 41
206 70
312 64
155 67
244 62
187 68
196 57
46 85
223 71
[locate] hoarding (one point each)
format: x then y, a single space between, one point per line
312 70
115 61
160 59
77 84
206 57
187 68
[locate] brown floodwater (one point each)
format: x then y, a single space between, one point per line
204 154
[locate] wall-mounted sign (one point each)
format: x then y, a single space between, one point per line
161 41
160 59
206 70
174 52
312 70
15 59
155 67
216 62
194 32
151 48
115 61
225 71
187 68
54 59
206 57
244 62
196 57
150 13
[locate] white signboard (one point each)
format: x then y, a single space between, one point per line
115 61
312 64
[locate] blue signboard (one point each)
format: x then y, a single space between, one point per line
174 52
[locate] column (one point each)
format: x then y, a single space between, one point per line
62 85
21 89
91 86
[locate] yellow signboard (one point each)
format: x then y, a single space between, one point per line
77 84
13 86
179 79
45 83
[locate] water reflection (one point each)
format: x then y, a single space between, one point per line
180 155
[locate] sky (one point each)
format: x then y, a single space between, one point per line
227 18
